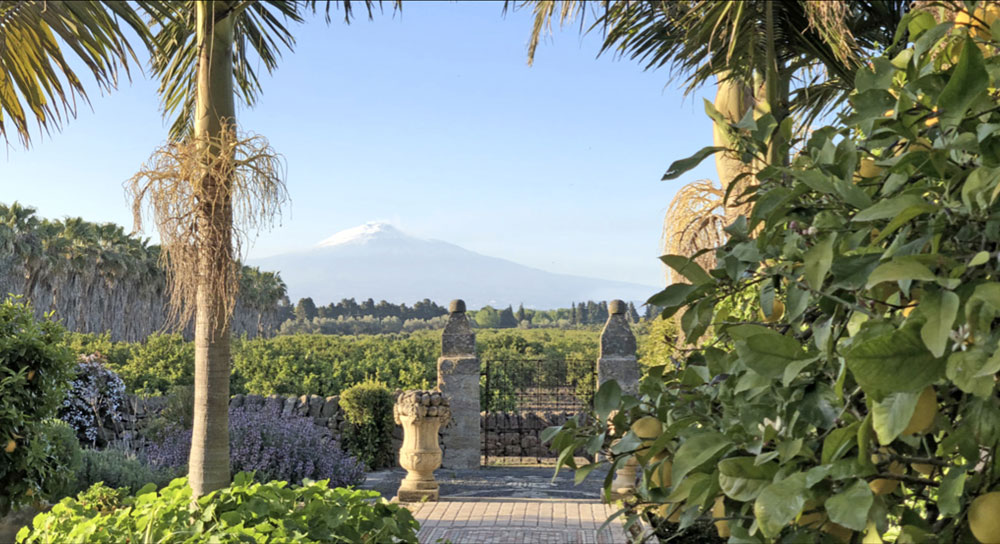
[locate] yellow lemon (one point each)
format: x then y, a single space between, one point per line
647 428
923 468
662 476
11 446
924 414
908 310
889 113
664 510
983 518
884 486
868 169
719 511
777 312
31 374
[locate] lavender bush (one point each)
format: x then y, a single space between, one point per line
95 400
273 446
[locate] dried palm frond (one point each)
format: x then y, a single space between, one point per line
184 184
694 221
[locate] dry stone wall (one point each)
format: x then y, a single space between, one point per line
511 434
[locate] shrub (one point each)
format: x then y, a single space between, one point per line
243 512
367 408
65 454
158 363
273 446
118 467
35 368
95 401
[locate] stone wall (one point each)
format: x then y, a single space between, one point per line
510 434
518 434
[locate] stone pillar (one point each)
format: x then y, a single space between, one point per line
618 362
458 378
421 413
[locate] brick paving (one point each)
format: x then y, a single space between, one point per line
516 521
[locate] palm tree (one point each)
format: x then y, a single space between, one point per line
796 58
37 81
208 176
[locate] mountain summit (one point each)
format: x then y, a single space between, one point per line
362 234
377 260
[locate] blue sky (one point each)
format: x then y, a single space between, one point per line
431 120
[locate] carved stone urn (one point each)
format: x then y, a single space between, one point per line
421 413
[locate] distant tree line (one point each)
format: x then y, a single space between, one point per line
350 317
349 308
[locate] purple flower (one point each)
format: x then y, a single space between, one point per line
273 446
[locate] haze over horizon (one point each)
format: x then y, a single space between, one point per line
430 120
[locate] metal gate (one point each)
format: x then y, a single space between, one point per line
520 397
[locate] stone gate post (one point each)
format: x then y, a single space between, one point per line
617 361
458 378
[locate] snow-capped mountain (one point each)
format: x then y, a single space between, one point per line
379 261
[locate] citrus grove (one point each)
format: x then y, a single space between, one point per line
862 405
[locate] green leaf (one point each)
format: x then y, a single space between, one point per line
768 354
696 451
968 81
608 397
674 296
818 260
891 415
584 471
687 268
941 308
966 369
779 503
950 492
850 507
892 362
839 442
742 480
900 268
888 208
678 168
979 258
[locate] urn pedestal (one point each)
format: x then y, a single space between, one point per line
421 413
624 483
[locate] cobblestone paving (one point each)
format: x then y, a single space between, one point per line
524 521
509 505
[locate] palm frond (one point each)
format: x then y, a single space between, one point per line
36 79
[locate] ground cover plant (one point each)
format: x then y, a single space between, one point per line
245 511
843 381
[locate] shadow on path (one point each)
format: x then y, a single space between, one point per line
498 482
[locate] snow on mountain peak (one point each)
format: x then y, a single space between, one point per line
362 234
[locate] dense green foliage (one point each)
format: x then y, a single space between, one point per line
327 364
35 370
97 278
243 512
64 453
367 408
118 467
869 403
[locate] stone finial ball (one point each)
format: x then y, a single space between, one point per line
616 307
457 306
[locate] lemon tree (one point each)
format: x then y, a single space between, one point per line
865 406
35 371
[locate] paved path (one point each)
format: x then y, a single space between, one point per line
516 521
509 505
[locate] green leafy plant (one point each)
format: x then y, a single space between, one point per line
243 512
869 403
367 407
35 370
118 467
65 454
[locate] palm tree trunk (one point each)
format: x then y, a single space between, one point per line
215 112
